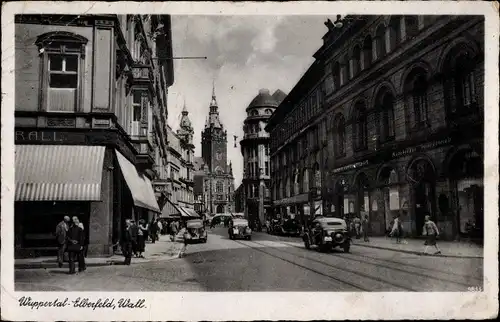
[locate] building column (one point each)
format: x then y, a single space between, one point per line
101 212
402 25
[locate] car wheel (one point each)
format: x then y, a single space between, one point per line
307 244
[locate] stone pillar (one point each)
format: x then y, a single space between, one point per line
388 40
402 25
101 212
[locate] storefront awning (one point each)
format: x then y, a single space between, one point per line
140 186
170 210
58 172
189 212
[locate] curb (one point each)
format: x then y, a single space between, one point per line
417 252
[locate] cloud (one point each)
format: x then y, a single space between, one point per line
245 54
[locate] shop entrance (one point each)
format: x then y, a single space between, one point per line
421 176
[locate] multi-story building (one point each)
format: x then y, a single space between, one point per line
239 199
387 121
214 181
90 113
256 157
180 170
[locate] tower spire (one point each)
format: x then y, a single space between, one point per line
184 108
214 100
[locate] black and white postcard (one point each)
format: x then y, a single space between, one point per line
249 161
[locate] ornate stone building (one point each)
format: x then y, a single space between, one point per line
387 121
214 181
256 158
90 113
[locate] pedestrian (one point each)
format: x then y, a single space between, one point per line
61 231
134 230
432 232
160 228
83 253
141 237
365 227
127 239
154 230
187 238
86 243
75 239
173 230
397 229
357 227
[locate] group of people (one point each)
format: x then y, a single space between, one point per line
429 230
359 227
71 240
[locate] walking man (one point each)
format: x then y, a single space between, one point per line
75 239
127 238
61 230
431 231
366 225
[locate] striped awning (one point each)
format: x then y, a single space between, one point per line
139 185
171 210
58 172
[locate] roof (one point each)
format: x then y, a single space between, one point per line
279 96
263 99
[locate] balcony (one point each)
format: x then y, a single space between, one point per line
145 155
141 74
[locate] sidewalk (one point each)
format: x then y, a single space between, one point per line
416 246
162 250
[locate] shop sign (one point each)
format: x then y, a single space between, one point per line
39 136
350 166
421 147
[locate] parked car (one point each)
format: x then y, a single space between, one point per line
196 231
274 227
238 228
289 227
327 233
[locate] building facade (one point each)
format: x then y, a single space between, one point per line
180 169
90 113
398 127
239 199
256 155
214 181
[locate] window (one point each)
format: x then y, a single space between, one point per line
380 42
267 149
460 81
385 106
359 126
219 187
356 60
137 106
395 31
267 168
416 97
367 51
269 111
62 56
254 113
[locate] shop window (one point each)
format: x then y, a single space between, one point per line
385 108
61 79
360 127
339 136
380 42
356 60
416 88
367 51
395 32
460 82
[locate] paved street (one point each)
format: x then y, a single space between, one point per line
268 263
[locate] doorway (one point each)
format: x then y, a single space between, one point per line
421 176
219 209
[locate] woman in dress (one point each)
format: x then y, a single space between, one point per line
431 231
141 238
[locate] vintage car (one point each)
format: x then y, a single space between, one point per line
327 233
289 227
238 228
195 231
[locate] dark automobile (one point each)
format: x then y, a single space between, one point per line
274 227
195 231
327 233
238 228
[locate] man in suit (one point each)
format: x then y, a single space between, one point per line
75 240
127 240
61 230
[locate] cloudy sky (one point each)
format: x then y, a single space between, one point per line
245 54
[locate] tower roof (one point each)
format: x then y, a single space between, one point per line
263 99
213 115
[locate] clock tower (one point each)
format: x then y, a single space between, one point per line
220 180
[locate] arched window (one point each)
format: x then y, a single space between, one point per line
385 107
346 69
219 187
62 70
395 31
380 42
367 51
254 113
416 97
336 75
339 136
359 126
356 60
460 83
411 26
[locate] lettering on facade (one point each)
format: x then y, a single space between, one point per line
350 166
38 136
422 147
